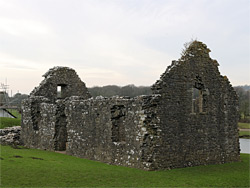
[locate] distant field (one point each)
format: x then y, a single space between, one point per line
244 133
37 168
244 125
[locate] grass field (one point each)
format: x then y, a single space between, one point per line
15 113
241 133
245 133
9 122
36 168
244 125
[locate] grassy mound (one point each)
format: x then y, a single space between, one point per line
36 168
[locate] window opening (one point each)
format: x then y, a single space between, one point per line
59 91
35 115
118 126
197 100
60 136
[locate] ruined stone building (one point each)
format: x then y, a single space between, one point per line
191 119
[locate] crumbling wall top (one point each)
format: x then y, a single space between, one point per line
56 69
194 63
59 83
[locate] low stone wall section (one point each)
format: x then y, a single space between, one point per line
10 136
118 131
39 117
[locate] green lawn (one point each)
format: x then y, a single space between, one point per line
244 125
9 122
36 168
244 133
15 113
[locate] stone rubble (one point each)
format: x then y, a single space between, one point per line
10 135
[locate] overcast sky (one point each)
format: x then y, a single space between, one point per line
118 41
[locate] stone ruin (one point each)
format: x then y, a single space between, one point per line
10 136
191 118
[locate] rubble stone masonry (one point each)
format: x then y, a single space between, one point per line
191 119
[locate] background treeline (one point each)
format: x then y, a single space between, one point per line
112 90
132 91
243 93
244 102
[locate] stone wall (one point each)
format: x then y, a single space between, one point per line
38 123
113 130
43 116
190 120
62 78
207 134
10 136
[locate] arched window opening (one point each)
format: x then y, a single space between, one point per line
118 126
197 101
